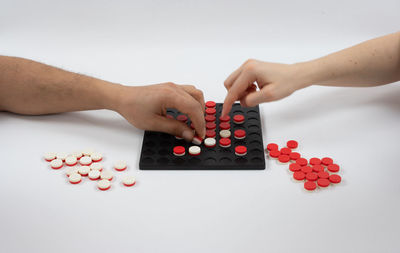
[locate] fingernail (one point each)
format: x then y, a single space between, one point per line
188 135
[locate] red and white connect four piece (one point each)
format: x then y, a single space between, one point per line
224 142
50 156
71 161
104 184
85 161
194 150
106 174
239 134
84 170
129 181
75 178
120 165
94 174
240 150
179 151
210 142
96 157
197 140
238 119
56 164
210 104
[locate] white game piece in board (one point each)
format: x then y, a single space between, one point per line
210 142
72 170
225 133
194 150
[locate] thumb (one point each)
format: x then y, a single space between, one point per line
172 126
264 95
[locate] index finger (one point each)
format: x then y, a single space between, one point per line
239 87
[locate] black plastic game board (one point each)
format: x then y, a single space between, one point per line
157 148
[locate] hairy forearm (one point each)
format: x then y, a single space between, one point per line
29 87
371 63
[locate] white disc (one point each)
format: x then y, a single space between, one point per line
94 174
225 133
72 170
106 174
129 180
120 165
197 140
70 160
86 160
103 184
56 163
96 156
88 152
96 166
210 142
84 170
75 177
194 150
77 154
62 155
50 156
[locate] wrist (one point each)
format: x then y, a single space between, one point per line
112 96
306 74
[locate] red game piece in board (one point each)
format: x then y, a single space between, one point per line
225 118
179 150
182 118
210 111
210 118
238 118
211 133
240 150
224 126
210 125
240 134
210 104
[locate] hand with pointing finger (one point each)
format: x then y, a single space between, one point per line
145 107
274 81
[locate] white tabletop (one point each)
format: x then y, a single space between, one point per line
201 211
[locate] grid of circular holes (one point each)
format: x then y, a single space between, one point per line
210 160
179 160
210 151
253 128
252 118
256 160
241 160
165 136
225 160
240 142
236 105
148 152
255 152
254 135
150 144
163 160
165 143
194 160
147 160
237 111
163 152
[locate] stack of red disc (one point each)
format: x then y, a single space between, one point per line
314 172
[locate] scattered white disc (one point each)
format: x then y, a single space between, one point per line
84 170
210 142
225 133
72 170
96 157
106 174
96 166
120 165
77 154
194 150
62 156
75 178
71 160
56 164
88 152
129 180
94 174
50 156
86 160
197 140
104 184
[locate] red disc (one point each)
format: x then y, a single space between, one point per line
240 133
294 167
274 153
298 175
286 151
224 142
210 133
209 118
284 158
306 169
318 168
224 126
238 118
326 161
240 149
272 146
323 174
210 125
310 186
182 118
335 179
302 161
225 118
312 176
292 144
323 182
333 167
294 156
210 111
315 161
179 150
191 125
210 104
169 116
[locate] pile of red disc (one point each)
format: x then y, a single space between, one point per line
315 172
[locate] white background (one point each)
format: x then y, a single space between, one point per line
201 42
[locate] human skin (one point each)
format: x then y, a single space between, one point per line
32 88
371 63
